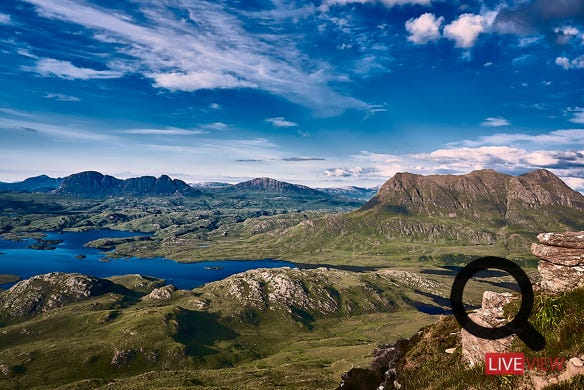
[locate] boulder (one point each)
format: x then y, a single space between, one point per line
490 315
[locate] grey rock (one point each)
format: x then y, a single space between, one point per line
162 293
558 255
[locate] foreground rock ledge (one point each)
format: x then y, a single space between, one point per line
561 263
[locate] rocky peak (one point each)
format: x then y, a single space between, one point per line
266 184
95 184
41 293
483 195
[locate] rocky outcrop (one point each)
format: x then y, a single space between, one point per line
162 293
561 263
306 294
42 293
490 315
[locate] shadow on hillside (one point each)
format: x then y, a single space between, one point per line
199 331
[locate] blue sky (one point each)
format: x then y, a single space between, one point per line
323 93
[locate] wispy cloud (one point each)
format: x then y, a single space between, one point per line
280 121
62 97
568 137
239 149
495 122
215 126
54 131
66 70
206 48
168 131
326 4
578 114
303 159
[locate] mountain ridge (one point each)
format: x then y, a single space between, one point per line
95 184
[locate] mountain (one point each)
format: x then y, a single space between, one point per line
265 184
42 183
96 185
485 195
350 192
483 212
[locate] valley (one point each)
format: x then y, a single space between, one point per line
363 273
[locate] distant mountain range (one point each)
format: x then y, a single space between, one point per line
41 183
92 184
96 185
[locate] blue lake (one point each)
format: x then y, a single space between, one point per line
18 259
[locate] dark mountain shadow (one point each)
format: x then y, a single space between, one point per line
199 331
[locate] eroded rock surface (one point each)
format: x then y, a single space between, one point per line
561 263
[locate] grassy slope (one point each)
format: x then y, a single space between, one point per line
559 318
202 337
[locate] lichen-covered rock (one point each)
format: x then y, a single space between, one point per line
41 293
557 255
558 278
565 240
162 293
490 315
561 264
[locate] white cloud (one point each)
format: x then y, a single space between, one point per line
215 126
199 80
66 70
466 29
62 97
348 172
566 63
576 183
578 115
210 48
280 121
495 122
567 30
424 28
4 19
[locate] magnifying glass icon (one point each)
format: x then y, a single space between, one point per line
519 325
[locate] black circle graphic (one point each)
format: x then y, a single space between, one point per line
519 325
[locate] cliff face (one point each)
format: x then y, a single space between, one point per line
96 185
